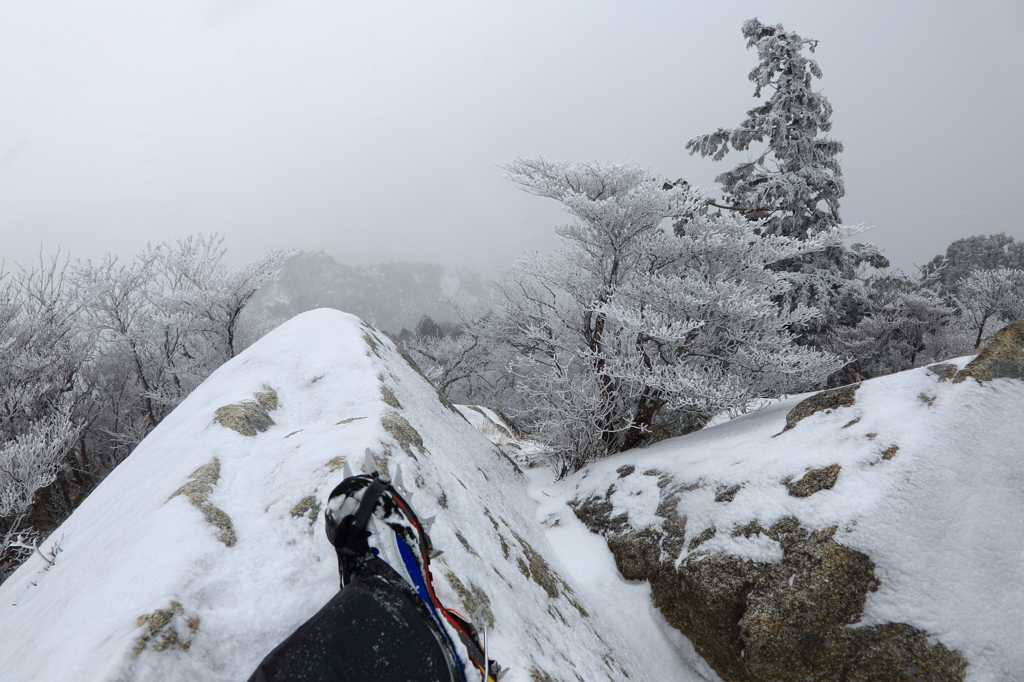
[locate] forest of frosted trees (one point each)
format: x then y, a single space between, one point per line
666 306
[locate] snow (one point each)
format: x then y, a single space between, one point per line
625 603
941 519
135 548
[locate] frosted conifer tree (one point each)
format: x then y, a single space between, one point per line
795 183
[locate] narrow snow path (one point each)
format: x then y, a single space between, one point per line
624 604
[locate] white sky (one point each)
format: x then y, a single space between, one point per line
374 130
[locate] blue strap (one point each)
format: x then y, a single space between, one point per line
412 567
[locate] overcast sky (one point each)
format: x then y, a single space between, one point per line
375 130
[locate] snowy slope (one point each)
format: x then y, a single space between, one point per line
205 548
941 515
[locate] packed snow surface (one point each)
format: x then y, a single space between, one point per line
205 548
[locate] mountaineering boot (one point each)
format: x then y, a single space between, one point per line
377 534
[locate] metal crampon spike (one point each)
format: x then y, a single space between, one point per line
436 553
481 627
478 617
427 523
502 674
347 471
370 466
397 480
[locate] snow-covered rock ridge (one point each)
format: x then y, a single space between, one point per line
205 547
872 532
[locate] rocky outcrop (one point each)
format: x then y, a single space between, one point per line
752 621
829 400
249 417
864 533
1002 357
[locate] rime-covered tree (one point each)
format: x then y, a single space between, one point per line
794 184
42 353
979 252
905 323
92 357
631 325
989 299
171 317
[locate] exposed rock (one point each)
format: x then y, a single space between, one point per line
198 490
726 493
267 398
408 358
826 400
539 570
249 417
472 598
465 543
702 537
371 342
447 403
625 470
161 629
403 432
1002 357
310 506
336 463
389 397
596 511
944 370
814 481
789 621
538 675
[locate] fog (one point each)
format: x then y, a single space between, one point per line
375 131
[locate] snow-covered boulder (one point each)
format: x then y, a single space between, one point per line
205 548
873 532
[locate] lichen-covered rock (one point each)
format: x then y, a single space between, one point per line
249 417
831 399
472 598
402 431
165 629
944 370
789 621
198 489
814 481
1002 357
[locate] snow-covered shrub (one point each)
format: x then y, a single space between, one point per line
988 300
